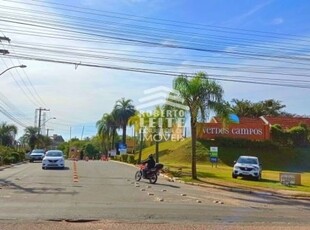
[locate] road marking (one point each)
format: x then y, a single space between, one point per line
75 174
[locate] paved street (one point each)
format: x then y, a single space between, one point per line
107 193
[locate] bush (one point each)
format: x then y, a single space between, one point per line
124 157
117 158
15 157
131 159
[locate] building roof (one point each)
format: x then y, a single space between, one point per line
287 122
284 122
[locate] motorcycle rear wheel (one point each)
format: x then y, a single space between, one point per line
138 175
153 178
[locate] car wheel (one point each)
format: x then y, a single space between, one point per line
234 176
259 177
43 168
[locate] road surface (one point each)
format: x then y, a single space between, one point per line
104 195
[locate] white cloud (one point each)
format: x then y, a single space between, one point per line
277 21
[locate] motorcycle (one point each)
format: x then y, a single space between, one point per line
152 174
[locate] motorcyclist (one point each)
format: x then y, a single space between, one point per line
150 163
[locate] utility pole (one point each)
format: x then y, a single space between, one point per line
47 130
4 38
40 111
3 51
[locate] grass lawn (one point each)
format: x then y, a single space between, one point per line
176 155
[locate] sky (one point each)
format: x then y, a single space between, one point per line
256 50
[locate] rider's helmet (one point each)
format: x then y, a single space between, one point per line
151 156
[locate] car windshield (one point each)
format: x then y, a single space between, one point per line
246 160
38 151
54 154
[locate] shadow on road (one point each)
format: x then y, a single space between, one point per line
34 190
55 168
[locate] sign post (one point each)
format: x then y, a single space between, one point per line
214 156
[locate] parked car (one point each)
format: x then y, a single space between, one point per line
247 166
53 159
36 155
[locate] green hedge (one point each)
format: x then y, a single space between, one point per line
131 159
9 156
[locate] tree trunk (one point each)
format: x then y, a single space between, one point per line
194 136
141 145
124 133
113 138
157 151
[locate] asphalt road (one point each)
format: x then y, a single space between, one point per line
99 194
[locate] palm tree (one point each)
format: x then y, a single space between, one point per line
107 129
7 134
200 94
123 110
135 121
30 137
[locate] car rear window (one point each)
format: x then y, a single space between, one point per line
54 154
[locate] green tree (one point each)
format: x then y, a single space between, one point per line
107 127
30 137
123 110
200 94
299 135
246 108
7 134
90 150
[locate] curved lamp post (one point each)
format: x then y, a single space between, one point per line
17 66
52 118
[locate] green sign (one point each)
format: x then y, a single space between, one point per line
213 151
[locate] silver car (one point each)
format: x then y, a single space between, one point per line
53 159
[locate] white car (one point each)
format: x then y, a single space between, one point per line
247 166
53 159
36 155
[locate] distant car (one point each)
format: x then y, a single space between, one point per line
247 166
36 155
27 156
53 159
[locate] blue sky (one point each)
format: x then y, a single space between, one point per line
78 97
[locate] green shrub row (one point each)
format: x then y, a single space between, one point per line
129 158
239 143
298 136
9 156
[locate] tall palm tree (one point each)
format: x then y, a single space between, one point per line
107 127
30 137
7 134
123 110
139 127
200 94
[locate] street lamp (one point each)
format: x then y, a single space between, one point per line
17 66
45 122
